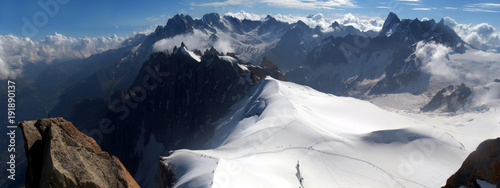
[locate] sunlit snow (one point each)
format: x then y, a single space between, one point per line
338 142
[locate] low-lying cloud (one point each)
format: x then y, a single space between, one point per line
242 15
474 67
195 41
434 59
16 52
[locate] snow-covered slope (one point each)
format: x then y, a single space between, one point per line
287 135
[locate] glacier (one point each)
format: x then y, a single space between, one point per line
338 142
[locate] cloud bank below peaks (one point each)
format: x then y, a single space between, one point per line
195 41
434 60
474 67
17 52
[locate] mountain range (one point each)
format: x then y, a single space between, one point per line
218 88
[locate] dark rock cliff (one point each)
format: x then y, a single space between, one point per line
61 156
174 102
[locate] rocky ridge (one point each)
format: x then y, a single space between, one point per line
449 99
61 156
360 65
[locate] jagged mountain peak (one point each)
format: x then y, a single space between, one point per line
441 22
196 54
300 25
335 24
212 51
449 99
392 16
176 25
269 17
180 18
211 18
232 19
391 19
184 50
270 20
414 30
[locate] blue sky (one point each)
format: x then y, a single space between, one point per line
104 18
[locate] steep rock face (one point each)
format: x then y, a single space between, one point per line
359 65
411 31
449 99
338 65
100 74
266 68
391 20
293 46
174 103
165 176
61 156
482 164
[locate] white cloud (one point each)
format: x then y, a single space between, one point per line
361 23
16 52
311 4
485 5
200 41
241 15
421 9
296 4
474 40
373 24
474 67
7 72
312 20
450 22
478 10
192 41
413 4
482 7
433 57
484 29
195 41
451 8
482 36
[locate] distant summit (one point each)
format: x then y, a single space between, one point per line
391 20
412 31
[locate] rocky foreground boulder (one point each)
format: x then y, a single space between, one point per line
482 164
61 156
